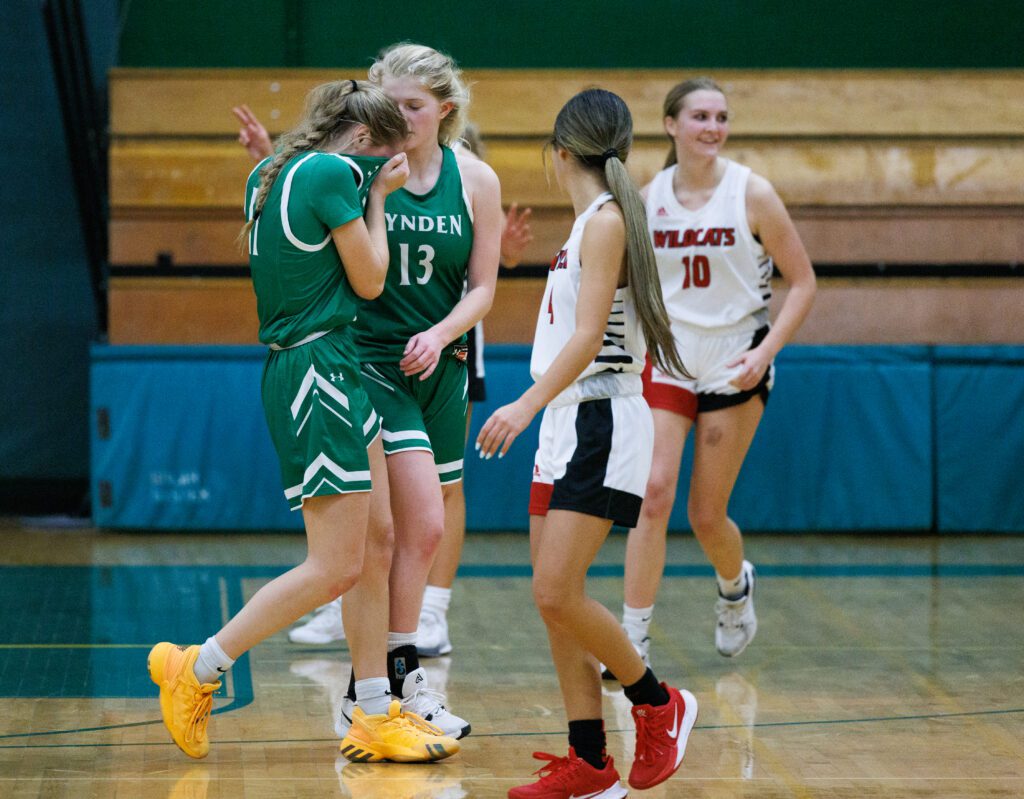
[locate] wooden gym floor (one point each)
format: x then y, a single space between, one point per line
884 667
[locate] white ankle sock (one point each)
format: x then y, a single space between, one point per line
732 589
373 695
436 599
396 640
637 621
212 662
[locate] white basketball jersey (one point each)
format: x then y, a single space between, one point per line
714 273
624 346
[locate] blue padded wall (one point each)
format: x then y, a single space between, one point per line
847 442
979 397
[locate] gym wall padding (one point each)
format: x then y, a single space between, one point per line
979 438
848 442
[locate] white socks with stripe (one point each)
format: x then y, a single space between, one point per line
212 662
732 589
374 695
636 621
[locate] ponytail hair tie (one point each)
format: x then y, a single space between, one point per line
355 87
611 152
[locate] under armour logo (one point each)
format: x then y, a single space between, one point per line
662 211
642 713
337 378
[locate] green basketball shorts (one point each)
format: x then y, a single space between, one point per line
428 415
320 419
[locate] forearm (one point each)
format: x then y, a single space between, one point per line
467 312
377 228
792 314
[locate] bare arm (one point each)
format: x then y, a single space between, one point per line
770 221
362 243
423 350
601 252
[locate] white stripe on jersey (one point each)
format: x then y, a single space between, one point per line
713 271
623 348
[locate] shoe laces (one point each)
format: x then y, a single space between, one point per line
730 612
202 706
426 697
559 770
421 723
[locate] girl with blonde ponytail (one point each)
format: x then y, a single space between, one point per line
601 310
312 257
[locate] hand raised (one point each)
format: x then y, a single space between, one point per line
252 135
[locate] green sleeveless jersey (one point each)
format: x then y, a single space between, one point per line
430 237
300 284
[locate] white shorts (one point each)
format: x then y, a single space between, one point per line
594 457
705 356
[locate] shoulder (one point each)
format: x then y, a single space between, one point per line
606 228
759 189
477 175
330 168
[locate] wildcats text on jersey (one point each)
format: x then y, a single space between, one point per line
701 237
449 224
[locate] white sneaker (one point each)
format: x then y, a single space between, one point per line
324 628
737 623
344 718
419 699
432 634
643 649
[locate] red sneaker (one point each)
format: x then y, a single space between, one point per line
661 734
571 778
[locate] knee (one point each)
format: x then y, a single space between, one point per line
659 497
333 580
552 600
705 516
422 543
380 545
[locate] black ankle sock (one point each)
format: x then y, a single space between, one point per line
401 661
586 737
351 693
646 691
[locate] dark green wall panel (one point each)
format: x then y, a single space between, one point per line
582 33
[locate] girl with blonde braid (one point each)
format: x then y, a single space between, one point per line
312 256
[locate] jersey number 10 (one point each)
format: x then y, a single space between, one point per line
426 253
697 274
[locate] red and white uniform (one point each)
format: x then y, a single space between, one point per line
597 436
716 284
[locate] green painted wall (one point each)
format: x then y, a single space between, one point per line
814 34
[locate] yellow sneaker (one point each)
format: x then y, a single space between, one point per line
184 703
401 737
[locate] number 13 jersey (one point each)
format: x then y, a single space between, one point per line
714 273
430 237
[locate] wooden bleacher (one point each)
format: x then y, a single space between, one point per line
876 167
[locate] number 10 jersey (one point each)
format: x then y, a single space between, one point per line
714 273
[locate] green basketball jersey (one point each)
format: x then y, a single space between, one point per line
300 284
430 237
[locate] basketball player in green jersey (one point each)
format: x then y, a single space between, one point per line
312 257
444 229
